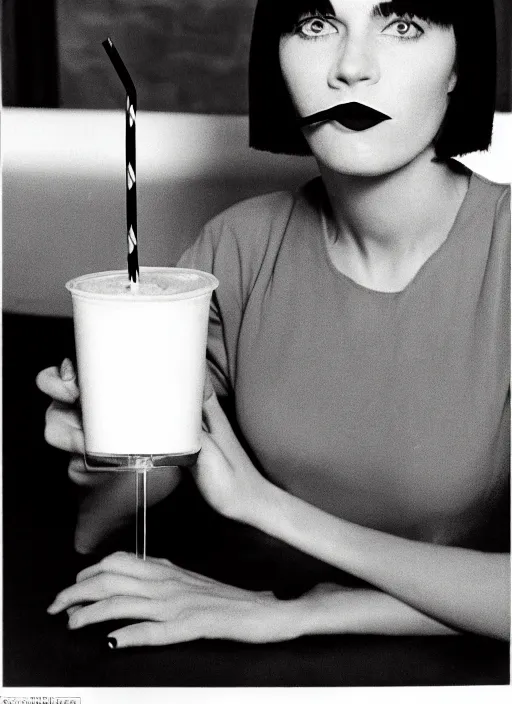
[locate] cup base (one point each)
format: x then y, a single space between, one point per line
130 463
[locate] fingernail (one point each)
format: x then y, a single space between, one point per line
67 373
112 643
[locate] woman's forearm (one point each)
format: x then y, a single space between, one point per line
106 508
465 589
334 609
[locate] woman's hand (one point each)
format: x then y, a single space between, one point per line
224 473
63 422
63 428
173 605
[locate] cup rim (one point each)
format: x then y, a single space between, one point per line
210 284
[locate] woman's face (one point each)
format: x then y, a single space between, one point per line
399 65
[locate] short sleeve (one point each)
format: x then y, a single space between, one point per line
201 255
233 247
502 220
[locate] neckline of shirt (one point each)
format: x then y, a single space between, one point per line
439 253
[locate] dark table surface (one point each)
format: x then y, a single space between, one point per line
39 506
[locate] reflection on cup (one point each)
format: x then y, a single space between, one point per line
141 365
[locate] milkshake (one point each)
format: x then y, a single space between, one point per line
141 365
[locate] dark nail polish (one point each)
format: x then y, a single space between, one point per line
112 643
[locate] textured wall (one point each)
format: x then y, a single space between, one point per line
183 55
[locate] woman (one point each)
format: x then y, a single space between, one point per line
360 337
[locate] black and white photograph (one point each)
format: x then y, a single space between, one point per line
256 349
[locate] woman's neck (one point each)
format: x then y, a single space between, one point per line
387 227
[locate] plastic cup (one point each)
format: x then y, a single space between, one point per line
141 365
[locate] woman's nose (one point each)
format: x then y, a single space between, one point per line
355 61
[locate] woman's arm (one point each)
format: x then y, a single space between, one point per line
330 608
465 589
171 605
421 588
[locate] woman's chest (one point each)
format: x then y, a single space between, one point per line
381 417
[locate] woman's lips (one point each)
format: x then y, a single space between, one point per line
355 116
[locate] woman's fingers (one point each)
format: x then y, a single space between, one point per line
115 607
152 568
63 428
104 586
59 383
154 633
171 610
77 471
242 620
81 476
124 563
58 412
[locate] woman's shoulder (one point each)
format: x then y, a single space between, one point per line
258 217
486 206
498 189
492 201
483 189
235 244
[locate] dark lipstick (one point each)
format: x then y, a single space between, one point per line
355 116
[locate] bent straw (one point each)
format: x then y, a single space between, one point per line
131 189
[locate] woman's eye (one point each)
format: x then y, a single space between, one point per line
404 29
316 27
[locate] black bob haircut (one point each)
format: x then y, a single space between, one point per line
467 125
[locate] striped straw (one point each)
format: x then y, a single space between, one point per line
131 188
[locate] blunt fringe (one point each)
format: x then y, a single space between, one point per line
467 125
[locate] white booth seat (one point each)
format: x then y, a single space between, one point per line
64 191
